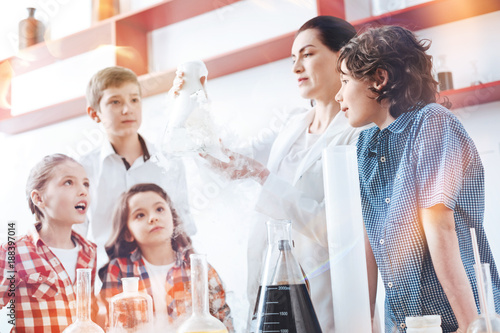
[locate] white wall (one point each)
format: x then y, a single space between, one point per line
247 102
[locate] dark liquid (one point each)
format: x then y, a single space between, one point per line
445 80
285 309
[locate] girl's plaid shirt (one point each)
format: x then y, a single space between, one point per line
177 286
44 296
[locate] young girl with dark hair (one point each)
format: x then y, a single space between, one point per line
421 180
148 241
46 259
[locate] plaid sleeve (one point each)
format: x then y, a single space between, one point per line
443 152
5 280
111 284
217 297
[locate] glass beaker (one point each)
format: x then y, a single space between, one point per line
283 302
83 322
201 321
130 310
489 320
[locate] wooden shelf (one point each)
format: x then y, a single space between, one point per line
131 31
156 83
474 95
431 14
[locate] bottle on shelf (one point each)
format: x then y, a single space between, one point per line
130 310
283 303
200 321
83 322
379 7
103 9
488 321
476 79
445 77
31 30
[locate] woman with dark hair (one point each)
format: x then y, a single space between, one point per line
289 165
148 241
421 181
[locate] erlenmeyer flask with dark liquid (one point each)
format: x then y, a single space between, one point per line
283 303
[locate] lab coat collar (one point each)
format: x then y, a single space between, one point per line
337 126
287 137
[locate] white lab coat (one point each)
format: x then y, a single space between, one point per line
303 203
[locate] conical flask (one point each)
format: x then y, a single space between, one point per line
131 310
190 126
201 321
489 320
283 303
83 322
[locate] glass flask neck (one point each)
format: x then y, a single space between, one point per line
486 300
278 230
285 268
199 283
83 293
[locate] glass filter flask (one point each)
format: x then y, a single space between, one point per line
200 321
283 303
83 323
488 321
131 310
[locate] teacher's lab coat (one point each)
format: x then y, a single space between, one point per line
303 203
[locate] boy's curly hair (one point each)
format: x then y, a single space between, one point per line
397 50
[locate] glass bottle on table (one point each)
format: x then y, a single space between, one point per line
200 321
83 322
489 320
283 303
131 310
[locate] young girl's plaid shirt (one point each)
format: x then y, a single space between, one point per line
177 286
45 299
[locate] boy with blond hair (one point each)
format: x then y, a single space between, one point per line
114 100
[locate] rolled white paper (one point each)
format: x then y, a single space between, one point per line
351 302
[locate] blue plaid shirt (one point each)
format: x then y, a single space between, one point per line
425 157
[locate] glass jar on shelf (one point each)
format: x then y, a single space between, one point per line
444 75
31 30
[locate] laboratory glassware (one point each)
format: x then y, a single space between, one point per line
283 302
130 310
83 323
489 320
200 321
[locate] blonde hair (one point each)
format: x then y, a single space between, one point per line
113 76
40 175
